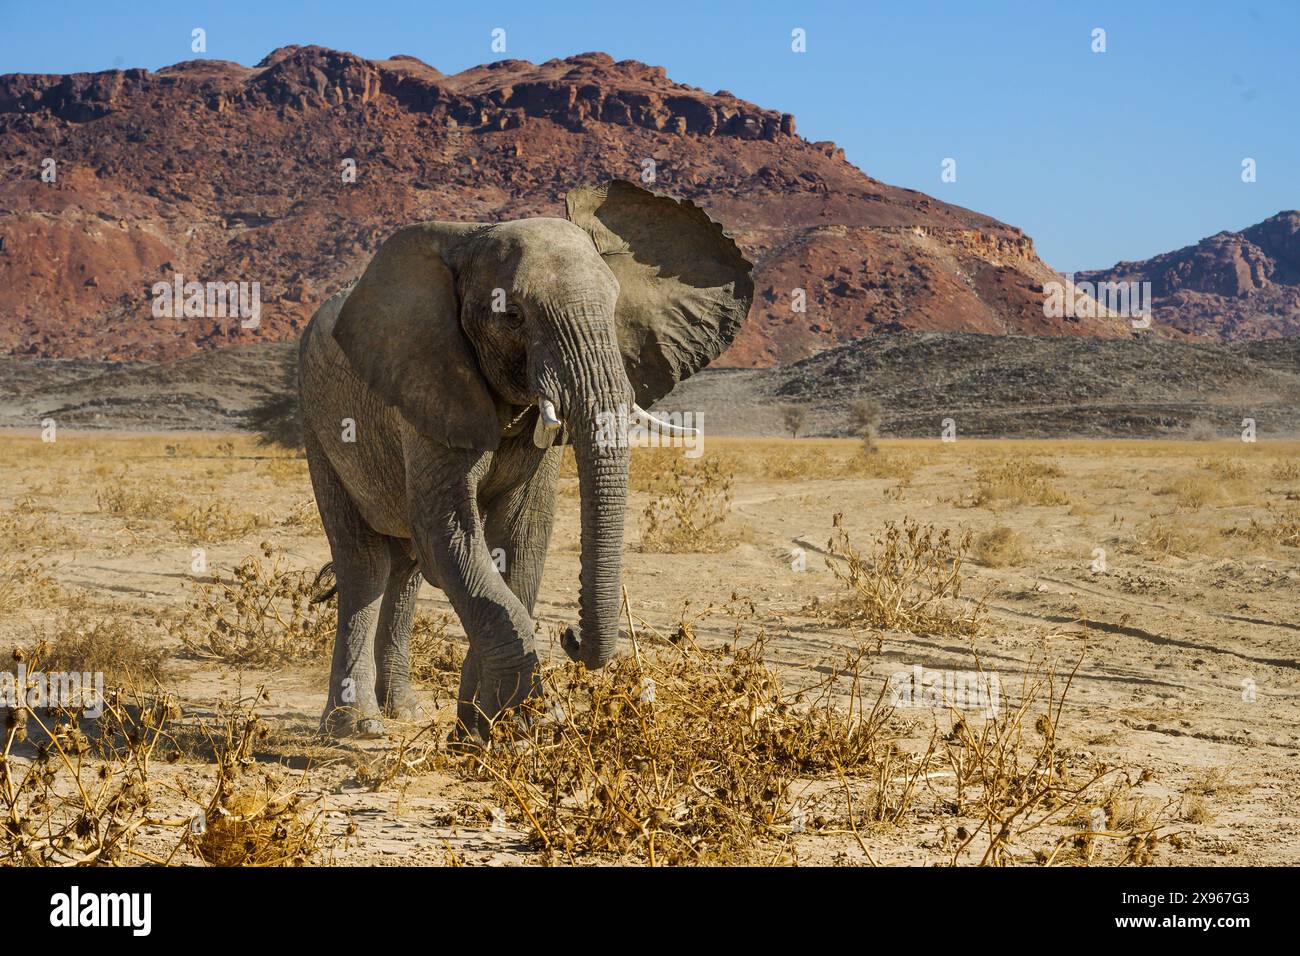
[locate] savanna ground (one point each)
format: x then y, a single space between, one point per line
1135 602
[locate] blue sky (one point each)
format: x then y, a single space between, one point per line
1098 156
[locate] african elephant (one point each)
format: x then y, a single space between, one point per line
435 396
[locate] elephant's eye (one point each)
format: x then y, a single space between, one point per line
513 316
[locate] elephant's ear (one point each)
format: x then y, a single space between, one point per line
400 330
684 287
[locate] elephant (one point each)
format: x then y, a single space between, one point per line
436 396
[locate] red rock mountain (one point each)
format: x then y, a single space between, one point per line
224 173
1233 285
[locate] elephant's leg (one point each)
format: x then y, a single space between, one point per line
501 666
361 569
393 635
518 528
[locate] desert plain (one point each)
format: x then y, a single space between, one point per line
1133 602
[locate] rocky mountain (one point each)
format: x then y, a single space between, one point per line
991 386
219 172
1232 285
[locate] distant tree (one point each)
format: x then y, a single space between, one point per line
865 414
275 419
794 417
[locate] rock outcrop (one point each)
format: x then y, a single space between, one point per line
290 174
1232 285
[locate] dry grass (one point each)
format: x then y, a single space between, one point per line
27 583
1162 536
303 516
689 509
436 659
911 580
1278 527
1194 491
105 641
27 529
1020 481
1000 547
213 522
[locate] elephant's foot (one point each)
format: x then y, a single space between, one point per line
348 722
402 705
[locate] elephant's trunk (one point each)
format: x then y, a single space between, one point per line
596 416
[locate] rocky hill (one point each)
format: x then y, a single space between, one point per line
221 172
1232 285
992 386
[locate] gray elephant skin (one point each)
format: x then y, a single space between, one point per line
436 394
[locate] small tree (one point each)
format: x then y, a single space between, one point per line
275 419
865 414
794 417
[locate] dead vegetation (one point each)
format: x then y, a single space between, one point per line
1278 527
1000 547
260 615
688 511
1018 481
910 580
209 521
607 770
105 641
684 754
83 789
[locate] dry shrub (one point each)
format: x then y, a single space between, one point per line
1017 482
690 507
677 755
303 516
124 502
260 616
1192 492
27 529
27 583
911 580
1229 469
79 800
214 521
680 754
1001 547
1160 536
1278 528
252 818
77 790
1286 471
800 463
113 646
284 469
878 464
436 659
1012 773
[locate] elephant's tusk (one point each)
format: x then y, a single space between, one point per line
664 428
549 418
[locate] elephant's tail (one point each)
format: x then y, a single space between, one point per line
325 586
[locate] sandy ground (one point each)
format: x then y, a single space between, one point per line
1190 634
